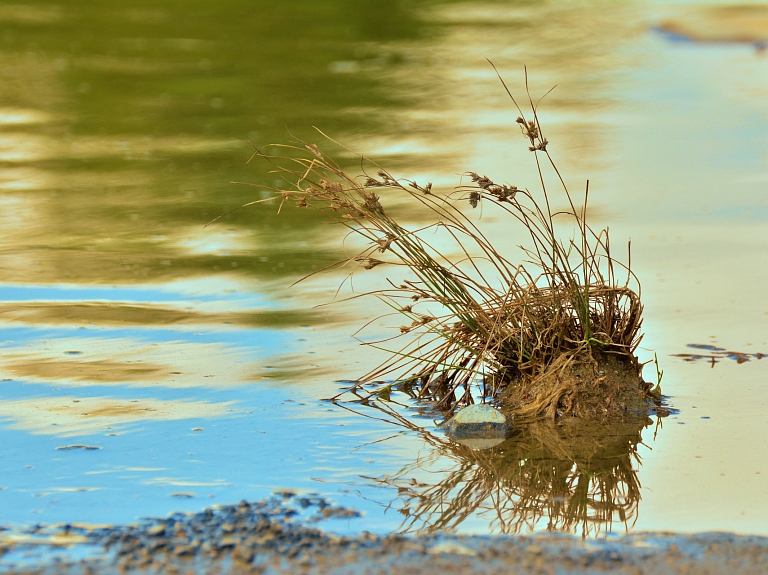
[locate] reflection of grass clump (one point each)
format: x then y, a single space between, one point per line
577 477
549 336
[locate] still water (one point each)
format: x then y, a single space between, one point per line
151 364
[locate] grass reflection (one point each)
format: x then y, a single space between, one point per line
574 476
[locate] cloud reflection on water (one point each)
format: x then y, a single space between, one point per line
129 362
70 416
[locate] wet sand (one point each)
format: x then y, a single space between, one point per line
264 538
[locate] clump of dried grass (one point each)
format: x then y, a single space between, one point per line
537 335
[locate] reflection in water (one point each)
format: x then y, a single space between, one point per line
119 144
119 314
574 476
713 354
123 361
461 112
739 24
121 128
69 416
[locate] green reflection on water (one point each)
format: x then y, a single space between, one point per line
122 126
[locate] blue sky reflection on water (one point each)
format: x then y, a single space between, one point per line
256 342
123 294
218 440
166 443
139 468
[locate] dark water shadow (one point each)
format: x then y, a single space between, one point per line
573 476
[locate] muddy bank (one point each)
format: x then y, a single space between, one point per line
264 538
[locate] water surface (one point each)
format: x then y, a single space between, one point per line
181 352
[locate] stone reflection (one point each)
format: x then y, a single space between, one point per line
574 476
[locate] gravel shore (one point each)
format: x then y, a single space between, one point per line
264 537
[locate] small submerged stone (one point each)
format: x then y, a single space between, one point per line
477 422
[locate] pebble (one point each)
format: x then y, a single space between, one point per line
478 421
183 550
156 530
240 532
243 553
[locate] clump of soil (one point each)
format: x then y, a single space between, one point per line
596 386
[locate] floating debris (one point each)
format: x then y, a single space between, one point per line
741 24
717 353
